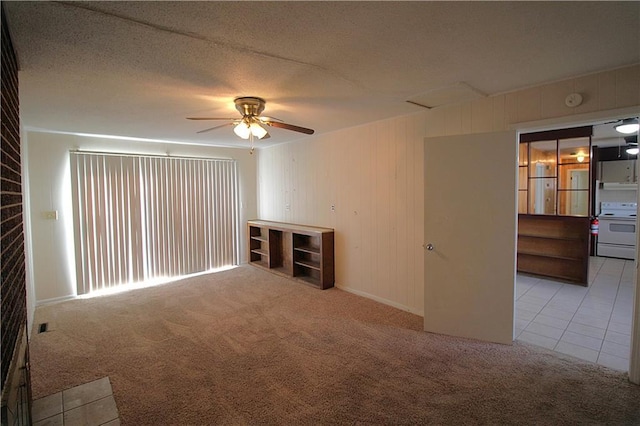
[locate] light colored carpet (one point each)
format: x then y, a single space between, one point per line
245 346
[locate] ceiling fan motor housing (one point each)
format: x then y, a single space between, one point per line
249 105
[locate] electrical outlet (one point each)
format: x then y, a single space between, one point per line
50 215
333 207
287 207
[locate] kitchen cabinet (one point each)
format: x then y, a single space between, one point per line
305 253
619 171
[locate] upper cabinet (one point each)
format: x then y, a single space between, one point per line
621 171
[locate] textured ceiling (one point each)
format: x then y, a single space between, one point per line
139 68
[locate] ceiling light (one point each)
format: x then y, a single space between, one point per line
580 158
633 150
257 130
628 126
242 130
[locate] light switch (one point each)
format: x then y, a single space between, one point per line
50 215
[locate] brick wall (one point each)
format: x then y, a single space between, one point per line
12 260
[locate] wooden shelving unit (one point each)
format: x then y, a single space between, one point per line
554 246
302 252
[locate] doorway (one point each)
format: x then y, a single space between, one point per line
592 323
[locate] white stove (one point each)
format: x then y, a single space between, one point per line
617 231
618 210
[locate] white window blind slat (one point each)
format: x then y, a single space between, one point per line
140 218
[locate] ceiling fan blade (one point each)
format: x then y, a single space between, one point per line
210 118
289 127
213 128
266 119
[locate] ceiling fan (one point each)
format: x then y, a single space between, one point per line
251 124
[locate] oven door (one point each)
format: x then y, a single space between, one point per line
617 231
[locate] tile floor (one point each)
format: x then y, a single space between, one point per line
90 404
591 323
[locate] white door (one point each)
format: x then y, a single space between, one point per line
470 235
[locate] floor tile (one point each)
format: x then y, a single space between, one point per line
595 321
544 330
589 320
520 305
603 314
619 338
627 283
522 324
533 300
622 318
46 407
86 393
613 361
582 340
564 305
95 413
623 305
542 292
625 293
591 301
620 328
526 280
524 314
587 330
577 351
538 340
551 321
88 404
616 349
572 291
56 420
558 313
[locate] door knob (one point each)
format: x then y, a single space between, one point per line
429 246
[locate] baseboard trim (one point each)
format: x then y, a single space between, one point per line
54 300
381 300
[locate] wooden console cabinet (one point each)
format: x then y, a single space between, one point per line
554 246
302 252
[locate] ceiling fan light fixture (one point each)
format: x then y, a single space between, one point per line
242 130
257 130
628 126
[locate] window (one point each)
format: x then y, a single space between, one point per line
555 172
138 218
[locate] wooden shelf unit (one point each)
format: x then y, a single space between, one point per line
554 246
303 252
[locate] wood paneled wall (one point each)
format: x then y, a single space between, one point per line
365 183
373 175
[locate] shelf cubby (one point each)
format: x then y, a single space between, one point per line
554 246
305 253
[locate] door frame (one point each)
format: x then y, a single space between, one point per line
585 120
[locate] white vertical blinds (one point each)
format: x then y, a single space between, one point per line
139 218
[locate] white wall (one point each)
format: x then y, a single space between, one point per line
374 176
370 175
50 250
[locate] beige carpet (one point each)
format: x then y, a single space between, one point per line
248 347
